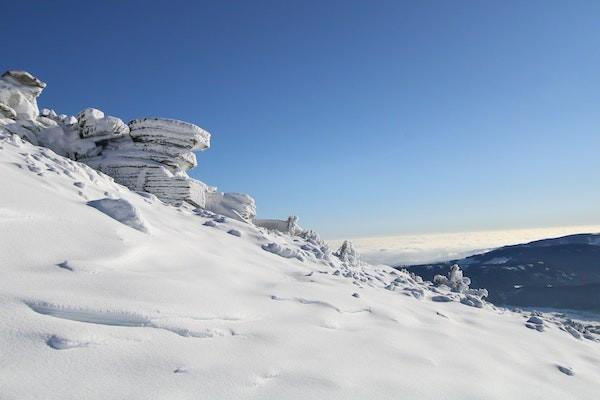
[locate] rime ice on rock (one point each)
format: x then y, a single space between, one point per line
149 155
18 93
93 123
347 254
289 226
152 155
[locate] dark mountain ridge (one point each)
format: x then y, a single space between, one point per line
560 272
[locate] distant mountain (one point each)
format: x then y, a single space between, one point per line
560 273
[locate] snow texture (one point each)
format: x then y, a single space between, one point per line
92 309
121 210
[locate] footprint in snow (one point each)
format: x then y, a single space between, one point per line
65 265
565 370
235 232
60 343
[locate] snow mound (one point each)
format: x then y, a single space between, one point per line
121 210
281 251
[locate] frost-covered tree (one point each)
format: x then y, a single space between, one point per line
458 283
347 254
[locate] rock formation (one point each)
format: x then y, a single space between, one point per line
18 93
148 155
286 226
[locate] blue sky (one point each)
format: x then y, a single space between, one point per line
363 118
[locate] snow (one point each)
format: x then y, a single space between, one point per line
166 288
94 309
497 261
122 211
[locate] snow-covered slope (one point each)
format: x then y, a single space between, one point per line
131 298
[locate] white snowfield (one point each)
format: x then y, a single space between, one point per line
110 294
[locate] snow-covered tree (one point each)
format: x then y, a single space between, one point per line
458 283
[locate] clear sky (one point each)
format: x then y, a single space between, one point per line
362 117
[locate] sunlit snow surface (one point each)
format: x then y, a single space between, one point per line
437 247
95 309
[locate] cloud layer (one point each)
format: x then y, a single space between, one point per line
425 248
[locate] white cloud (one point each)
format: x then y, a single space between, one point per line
424 248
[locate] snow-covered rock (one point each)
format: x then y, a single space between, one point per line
169 133
18 93
289 226
93 123
148 154
239 206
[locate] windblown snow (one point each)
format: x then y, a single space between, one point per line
108 293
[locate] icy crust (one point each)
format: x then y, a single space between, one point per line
147 154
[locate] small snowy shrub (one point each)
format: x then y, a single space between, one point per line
347 254
458 283
321 248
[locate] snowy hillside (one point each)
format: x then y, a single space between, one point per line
109 293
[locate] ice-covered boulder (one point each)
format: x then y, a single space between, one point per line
239 206
170 133
93 123
18 92
290 225
151 155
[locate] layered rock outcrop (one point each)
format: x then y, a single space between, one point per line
149 154
18 93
